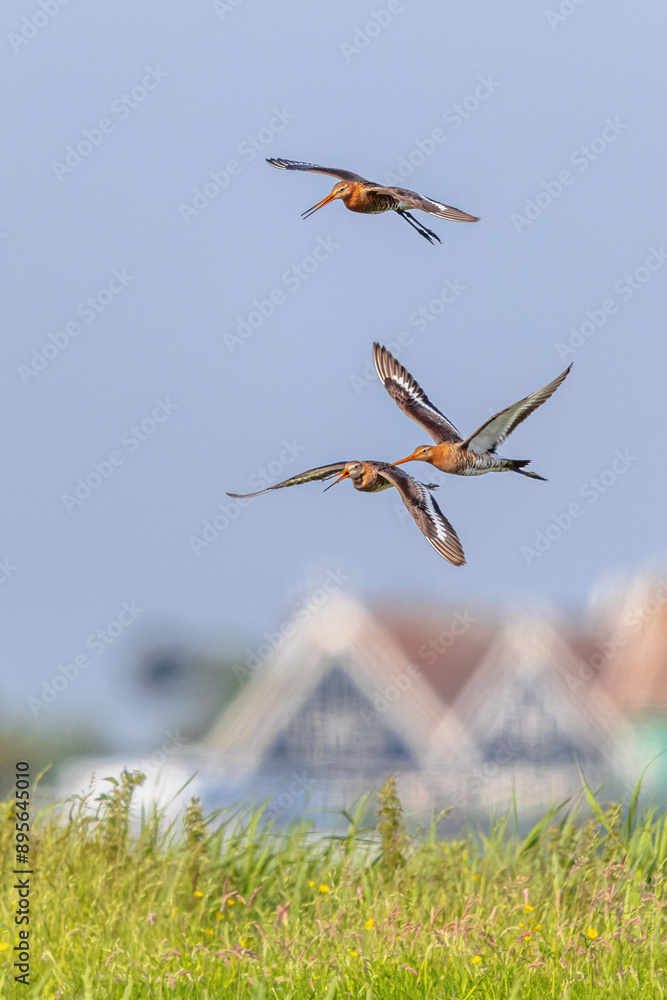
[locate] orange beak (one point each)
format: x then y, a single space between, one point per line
408 459
325 201
344 475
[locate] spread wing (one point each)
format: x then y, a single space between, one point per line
411 398
430 519
312 475
497 428
414 200
342 175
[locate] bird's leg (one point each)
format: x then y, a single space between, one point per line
422 230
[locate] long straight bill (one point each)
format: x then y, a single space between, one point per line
325 201
343 475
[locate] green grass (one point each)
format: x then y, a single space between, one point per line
231 909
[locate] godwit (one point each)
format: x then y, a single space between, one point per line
360 195
371 477
477 454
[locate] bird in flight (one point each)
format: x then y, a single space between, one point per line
360 195
371 477
476 454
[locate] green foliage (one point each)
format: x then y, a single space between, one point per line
393 835
126 908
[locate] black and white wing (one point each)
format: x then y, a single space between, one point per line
494 431
430 519
411 398
310 476
413 200
342 175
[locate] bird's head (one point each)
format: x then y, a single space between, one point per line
424 453
340 190
353 471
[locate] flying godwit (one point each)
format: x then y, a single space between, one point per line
477 454
360 195
371 477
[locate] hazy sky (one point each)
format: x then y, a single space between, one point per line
144 237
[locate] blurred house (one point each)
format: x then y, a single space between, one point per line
470 712
467 712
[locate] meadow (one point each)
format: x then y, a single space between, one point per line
228 907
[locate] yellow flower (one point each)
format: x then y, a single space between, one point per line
369 924
311 883
591 933
476 959
174 911
353 954
522 924
528 908
207 930
4 945
537 927
324 888
230 902
527 937
219 915
475 878
198 892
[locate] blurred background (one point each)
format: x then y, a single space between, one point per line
175 331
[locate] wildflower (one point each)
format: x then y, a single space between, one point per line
207 930
311 883
476 959
151 917
230 902
537 927
198 892
353 954
528 908
591 933
219 915
369 924
174 911
527 937
522 924
4 945
475 878
324 888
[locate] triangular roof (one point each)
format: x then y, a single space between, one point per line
532 698
344 640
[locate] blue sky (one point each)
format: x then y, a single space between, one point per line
173 328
